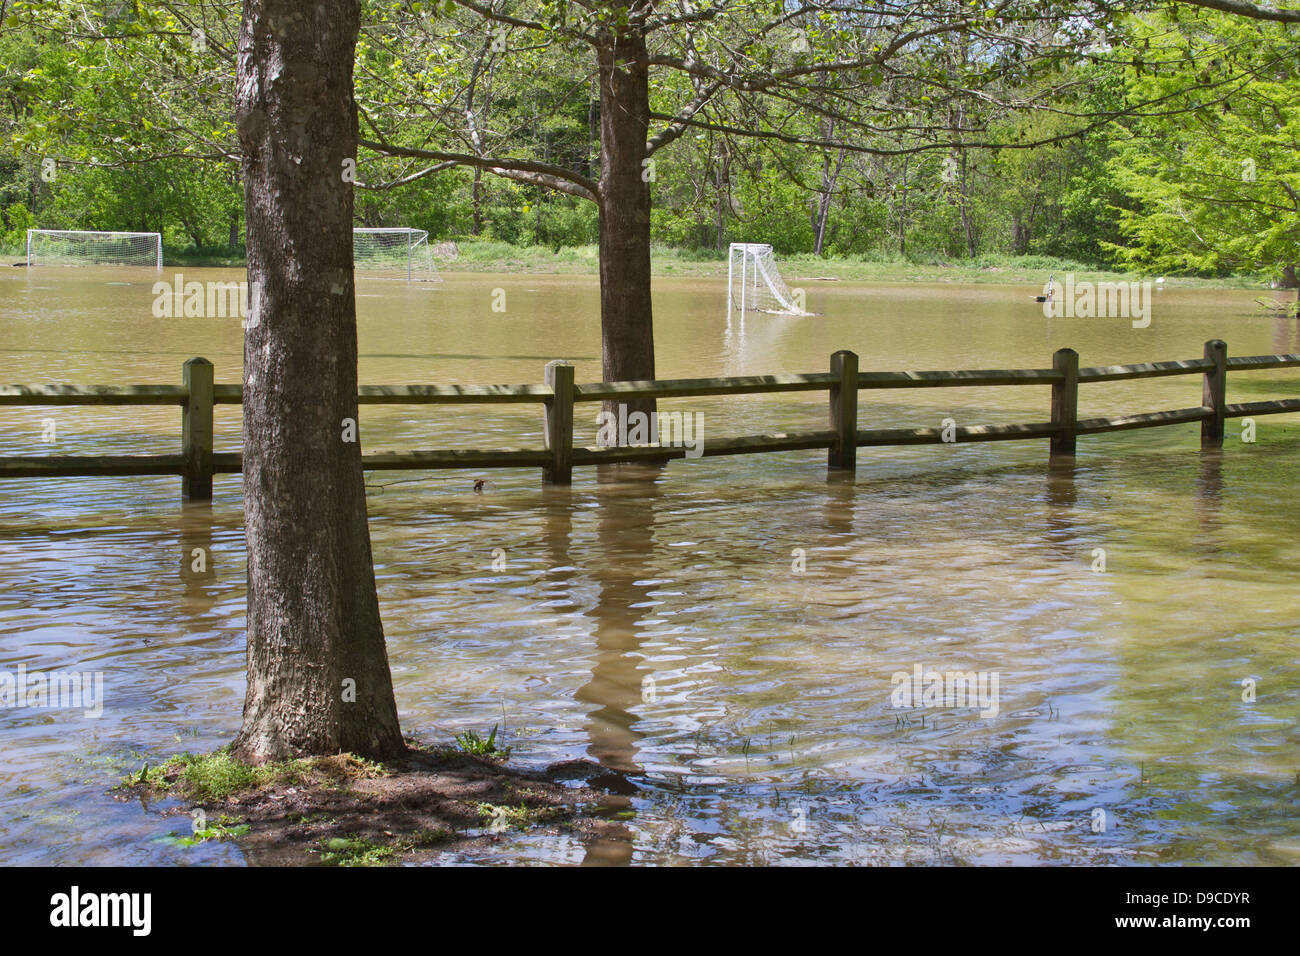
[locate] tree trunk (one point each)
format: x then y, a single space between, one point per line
724 195
476 228
318 677
822 213
1019 235
902 214
627 329
192 230
967 221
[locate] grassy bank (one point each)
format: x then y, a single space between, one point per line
501 257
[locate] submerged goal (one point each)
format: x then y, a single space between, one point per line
393 254
755 285
82 247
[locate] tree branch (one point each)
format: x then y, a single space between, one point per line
522 170
1243 9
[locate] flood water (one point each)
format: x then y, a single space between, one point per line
768 605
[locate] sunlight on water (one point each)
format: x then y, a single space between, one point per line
725 631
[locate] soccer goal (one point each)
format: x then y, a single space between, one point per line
393 254
755 285
73 247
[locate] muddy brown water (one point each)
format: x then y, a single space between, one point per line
656 622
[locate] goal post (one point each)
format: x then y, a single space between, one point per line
393 254
754 284
84 247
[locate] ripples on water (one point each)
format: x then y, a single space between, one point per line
768 733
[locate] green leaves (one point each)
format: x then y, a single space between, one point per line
1209 190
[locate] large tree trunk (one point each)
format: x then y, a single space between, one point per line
625 319
318 677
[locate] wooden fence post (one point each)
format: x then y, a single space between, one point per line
844 412
196 430
1214 390
559 424
1065 402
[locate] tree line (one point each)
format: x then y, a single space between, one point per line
1022 137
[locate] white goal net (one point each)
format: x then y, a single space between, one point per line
755 285
72 247
393 254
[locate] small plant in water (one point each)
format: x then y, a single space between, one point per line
355 851
225 828
498 818
472 743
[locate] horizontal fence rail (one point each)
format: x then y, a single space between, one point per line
197 396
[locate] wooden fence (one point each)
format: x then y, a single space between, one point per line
199 394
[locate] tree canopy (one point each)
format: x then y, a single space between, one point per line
486 118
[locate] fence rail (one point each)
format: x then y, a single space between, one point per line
198 395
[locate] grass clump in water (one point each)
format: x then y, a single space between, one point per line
360 851
472 743
355 851
502 817
225 828
214 777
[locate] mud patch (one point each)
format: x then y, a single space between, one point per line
345 811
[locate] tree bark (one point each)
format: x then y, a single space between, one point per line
902 214
627 329
724 195
822 209
967 222
476 228
313 615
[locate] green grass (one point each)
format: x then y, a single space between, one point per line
355 851
358 851
472 743
489 255
225 828
520 817
210 778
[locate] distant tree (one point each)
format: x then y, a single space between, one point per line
1215 189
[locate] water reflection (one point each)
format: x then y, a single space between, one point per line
620 682
197 561
1209 500
838 504
1286 335
1062 494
